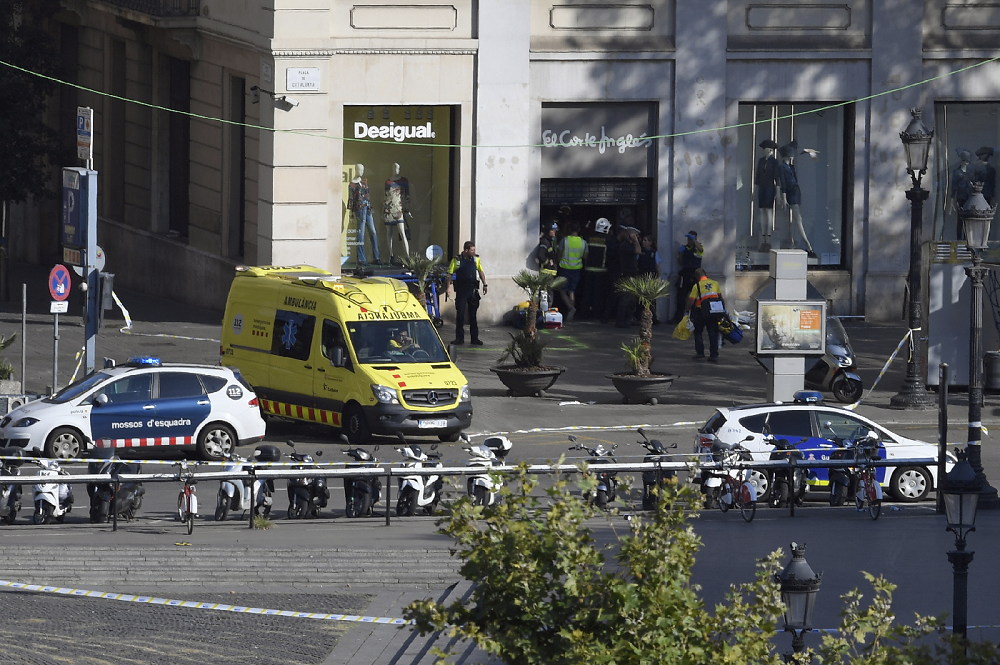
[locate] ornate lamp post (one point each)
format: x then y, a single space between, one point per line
961 498
917 143
799 586
976 216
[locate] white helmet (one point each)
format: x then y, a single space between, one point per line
602 225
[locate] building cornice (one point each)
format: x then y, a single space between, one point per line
326 53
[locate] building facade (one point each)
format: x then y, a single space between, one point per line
334 132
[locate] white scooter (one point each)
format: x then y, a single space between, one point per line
418 491
51 499
489 453
238 494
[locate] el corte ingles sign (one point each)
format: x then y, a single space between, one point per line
598 140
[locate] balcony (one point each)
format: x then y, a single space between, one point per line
160 7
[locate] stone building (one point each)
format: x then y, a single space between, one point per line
483 118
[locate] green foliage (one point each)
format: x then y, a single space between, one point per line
6 369
525 350
635 353
32 149
646 288
422 268
533 283
261 522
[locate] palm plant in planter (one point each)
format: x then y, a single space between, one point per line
527 375
421 267
642 385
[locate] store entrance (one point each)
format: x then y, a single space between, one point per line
623 201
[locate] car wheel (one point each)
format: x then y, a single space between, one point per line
64 443
761 483
448 438
355 427
215 441
911 484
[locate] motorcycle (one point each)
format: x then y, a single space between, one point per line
654 478
10 492
418 491
788 485
239 494
835 370
51 499
491 452
607 481
362 493
127 501
306 495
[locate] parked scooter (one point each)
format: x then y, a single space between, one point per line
846 481
10 492
711 484
491 452
788 485
51 499
835 371
362 493
306 495
654 478
238 494
418 491
607 481
127 501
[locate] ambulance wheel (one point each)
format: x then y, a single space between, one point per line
216 441
64 443
355 426
448 438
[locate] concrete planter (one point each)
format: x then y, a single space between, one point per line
527 382
642 389
10 387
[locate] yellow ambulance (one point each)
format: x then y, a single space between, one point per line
358 354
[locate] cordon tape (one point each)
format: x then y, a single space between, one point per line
127 330
220 607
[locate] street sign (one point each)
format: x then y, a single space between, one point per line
99 261
59 283
71 236
74 257
84 133
58 307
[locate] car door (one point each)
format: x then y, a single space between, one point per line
797 427
181 408
128 412
292 366
331 384
845 425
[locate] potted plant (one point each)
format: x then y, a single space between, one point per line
422 268
526 375
642 385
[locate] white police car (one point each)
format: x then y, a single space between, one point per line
814 428
140 403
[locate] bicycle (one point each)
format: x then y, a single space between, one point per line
869 495
187 500
738 489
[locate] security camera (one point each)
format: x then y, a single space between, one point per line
284 103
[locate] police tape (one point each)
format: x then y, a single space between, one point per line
885 368
194 604
586 428
127 329
79 361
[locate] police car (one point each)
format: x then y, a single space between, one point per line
817 429
141 403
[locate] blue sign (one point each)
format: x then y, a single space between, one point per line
70 234
59 283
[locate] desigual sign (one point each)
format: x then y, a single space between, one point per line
397 133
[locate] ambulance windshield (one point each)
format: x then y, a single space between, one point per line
396 342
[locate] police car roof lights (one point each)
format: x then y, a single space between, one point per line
143 361
808 397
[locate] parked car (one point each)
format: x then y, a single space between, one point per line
141 403
816 429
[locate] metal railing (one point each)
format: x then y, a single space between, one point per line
160 7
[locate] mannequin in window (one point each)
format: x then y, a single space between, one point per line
396 210
359 203
766 178
790 196
985 173
960 183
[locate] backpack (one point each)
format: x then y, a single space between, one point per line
712 309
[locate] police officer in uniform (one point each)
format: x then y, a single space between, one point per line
464 268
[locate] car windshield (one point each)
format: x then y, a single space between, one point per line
74 390
396 342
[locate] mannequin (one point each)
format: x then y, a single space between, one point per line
790 196
985 173
765 178
396 209
960 183
359 203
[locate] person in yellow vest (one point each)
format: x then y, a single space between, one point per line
571 251
705 297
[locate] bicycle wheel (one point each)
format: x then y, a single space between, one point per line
874 508
190 523
725 490
748 508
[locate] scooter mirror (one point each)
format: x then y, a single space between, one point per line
749 437
572 438
672 445
464 437
399 435
642 433
291 444
319 453
376 446
343 437
434 446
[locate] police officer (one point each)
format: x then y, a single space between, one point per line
689 257
547 253
464 268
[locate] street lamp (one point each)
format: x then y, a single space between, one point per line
799 586
976 216
917 144
961 498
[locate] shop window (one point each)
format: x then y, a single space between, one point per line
965 136
790 187
397 178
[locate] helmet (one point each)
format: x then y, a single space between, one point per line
550 226
602 225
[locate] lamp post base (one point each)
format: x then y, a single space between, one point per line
912 396
988 498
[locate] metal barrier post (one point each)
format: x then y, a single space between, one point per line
942 435
114 502
388 492
253 494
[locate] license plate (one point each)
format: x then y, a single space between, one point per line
429 424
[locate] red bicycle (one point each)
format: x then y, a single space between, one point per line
737 491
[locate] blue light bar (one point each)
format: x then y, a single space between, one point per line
807 396
143 361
